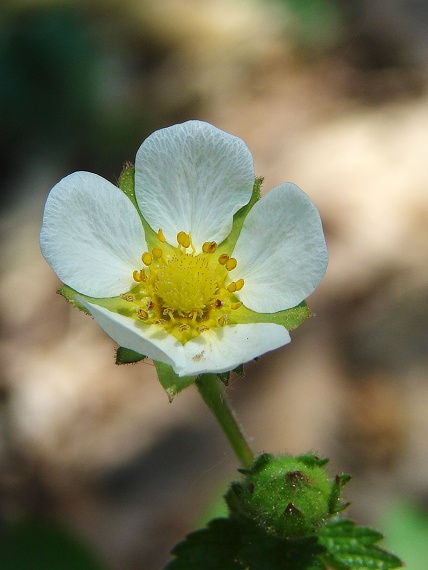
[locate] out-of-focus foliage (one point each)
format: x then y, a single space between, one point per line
41 546
406 531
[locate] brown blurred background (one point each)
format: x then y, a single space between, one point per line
329 94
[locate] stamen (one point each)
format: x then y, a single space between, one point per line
223 259
231 263
183 328
146 258
183 239
157 252
209 247
161 237
128 297
142 314
239 284
222 320
170 312
231 287
139 275
235 306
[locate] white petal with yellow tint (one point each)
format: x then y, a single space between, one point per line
92 235
225 348
150 340
281 251
193 177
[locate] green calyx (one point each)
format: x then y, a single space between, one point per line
288 497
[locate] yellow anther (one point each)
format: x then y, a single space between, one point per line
202 328
231 287
209 247
223 259
128 297
222 320
160 322
157 252
161 237
146 258
183 328
139 275
142 314
231 263
235 306
197 313
183 239
169 311
239 284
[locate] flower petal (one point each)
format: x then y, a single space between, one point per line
281 251
92 235
151 340
223 349
193 177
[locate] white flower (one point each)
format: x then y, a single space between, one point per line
178 279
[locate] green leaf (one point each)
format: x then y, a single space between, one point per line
128 356
350 547
290 318
212 548
238 219
34 545
171 383
228 544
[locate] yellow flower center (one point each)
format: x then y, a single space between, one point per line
185 292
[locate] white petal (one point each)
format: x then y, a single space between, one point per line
150 340
92 235
222 349
193 177
281 251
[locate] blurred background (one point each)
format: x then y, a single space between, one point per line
330 94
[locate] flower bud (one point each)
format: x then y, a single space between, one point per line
289 497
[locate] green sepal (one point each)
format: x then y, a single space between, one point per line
127 185
170 381
225 376
351 547
128 356
69 295
290 318
335 503
228 244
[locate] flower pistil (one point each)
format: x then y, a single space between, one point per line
186 292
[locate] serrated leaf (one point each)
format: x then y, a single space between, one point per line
212 548
171 383
260 551
229 544
351 547
128 356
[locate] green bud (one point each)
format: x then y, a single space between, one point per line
289 497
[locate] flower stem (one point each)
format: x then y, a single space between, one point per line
214 396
